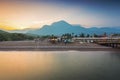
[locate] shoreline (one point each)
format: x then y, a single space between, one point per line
59 49
46 46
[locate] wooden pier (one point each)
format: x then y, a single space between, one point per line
114 43
110 42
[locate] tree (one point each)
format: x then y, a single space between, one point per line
76 35
95 35
72 34
82 35
14 37
105 34
88 35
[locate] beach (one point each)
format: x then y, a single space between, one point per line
47 46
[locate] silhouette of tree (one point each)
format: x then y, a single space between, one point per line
82 35
87 35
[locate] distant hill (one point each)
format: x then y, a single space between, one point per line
62 27
19 31
1 31
108 30
6 36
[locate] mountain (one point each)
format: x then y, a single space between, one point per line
59 28
3 32
62 27
108 30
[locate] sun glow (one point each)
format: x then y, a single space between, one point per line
27 15
32 15
22 14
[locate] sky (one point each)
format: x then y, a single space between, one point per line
21 14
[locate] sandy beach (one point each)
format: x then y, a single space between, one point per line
47 46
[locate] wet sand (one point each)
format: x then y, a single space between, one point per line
47 46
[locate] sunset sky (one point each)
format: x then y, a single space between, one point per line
21 14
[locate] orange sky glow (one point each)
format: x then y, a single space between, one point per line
19 14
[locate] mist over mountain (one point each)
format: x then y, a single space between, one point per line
24 31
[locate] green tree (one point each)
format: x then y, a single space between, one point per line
95 35
82 35
87 35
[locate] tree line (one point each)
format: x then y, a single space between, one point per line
4 36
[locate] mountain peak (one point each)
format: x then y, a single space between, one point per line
61 23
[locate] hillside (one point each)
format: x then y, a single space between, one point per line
6 36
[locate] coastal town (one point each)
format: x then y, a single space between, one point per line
65 42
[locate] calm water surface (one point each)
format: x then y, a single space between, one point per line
59 65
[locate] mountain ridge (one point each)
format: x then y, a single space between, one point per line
57 28
62 27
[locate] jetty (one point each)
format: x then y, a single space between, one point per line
106 41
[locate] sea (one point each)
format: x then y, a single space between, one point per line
59 65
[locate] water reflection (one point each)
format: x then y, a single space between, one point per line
24 64
59 65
